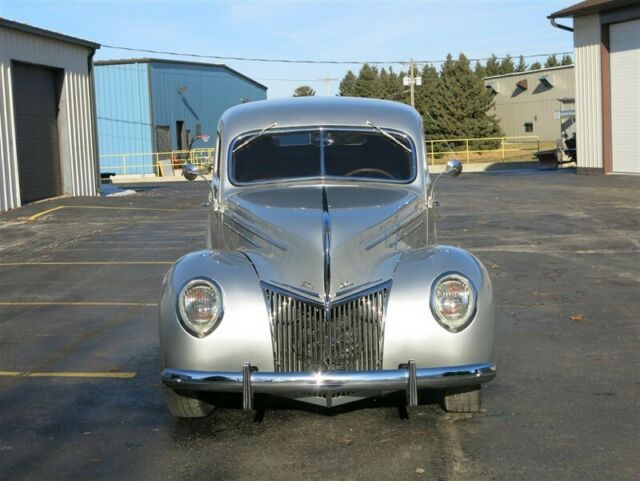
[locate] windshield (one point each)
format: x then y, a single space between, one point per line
323 153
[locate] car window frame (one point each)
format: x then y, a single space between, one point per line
239 138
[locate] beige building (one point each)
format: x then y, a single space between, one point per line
606 38
47 115
537 102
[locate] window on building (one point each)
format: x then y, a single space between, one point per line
528 126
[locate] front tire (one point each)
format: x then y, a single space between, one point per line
186 407
465 399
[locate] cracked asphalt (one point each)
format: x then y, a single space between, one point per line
79 284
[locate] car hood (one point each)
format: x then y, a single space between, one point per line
324 242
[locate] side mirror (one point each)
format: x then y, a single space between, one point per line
454 168
190 171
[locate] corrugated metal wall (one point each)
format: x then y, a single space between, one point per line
586 40
124 116
210 90
537 104
77 138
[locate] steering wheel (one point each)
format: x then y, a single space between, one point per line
370 169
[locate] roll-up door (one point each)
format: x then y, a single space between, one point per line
35 98
624 40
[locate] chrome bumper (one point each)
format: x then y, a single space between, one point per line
250 381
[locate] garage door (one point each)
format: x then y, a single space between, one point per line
35 100
625 96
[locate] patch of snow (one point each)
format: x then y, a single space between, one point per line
109 190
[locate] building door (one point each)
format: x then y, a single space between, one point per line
625 96
35 98
163 140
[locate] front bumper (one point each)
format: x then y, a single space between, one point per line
250 381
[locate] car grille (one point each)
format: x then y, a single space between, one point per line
346 337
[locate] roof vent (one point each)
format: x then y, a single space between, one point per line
546 80
523 84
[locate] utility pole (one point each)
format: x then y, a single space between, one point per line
327 81
412 81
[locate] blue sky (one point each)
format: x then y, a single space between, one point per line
316 30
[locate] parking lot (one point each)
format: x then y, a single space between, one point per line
80 396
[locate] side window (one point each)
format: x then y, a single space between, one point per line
528 127
216 155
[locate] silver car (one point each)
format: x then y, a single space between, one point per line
322 280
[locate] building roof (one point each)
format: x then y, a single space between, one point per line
23 27
176 62
526 72
592 6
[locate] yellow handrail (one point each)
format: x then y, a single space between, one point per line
148 163
519 149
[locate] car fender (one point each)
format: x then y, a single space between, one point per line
244 333
411 331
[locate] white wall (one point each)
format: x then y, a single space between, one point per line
586 41
77 138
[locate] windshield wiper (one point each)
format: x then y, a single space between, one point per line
388 135
254 137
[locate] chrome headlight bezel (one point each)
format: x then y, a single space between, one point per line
448 324
207 328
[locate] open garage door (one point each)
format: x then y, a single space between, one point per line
35 98
625 96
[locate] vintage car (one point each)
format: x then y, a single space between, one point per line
322 280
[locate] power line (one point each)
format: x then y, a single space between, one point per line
321 62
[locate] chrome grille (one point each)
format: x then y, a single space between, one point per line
345 337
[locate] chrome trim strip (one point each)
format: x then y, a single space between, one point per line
335 302
326 246
247 391
329 381
412 386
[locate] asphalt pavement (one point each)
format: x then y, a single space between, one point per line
80 396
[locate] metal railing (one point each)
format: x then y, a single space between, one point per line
486 149
154 163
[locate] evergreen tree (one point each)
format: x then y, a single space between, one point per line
522 65
535 66
479 70
426 100
463 103
367 84
566 60
304 91
390 85
552 61
347 86
507 66
492 67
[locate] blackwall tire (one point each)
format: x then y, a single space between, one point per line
186 407
466 399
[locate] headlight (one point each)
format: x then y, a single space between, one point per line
453 301
200 307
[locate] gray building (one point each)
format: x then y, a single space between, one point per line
606 40
537 102
47 117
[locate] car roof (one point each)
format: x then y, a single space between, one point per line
321 111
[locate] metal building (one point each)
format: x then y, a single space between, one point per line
153 105
606 38
537 102
47 117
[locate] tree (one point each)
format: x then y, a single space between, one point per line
507 66
479 70
304 91
535 66
347 86
552 61
566 60
463 103
368 84
492 67
427 99
522 65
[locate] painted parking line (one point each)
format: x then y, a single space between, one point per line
112 375
78 304
85 263
48 211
